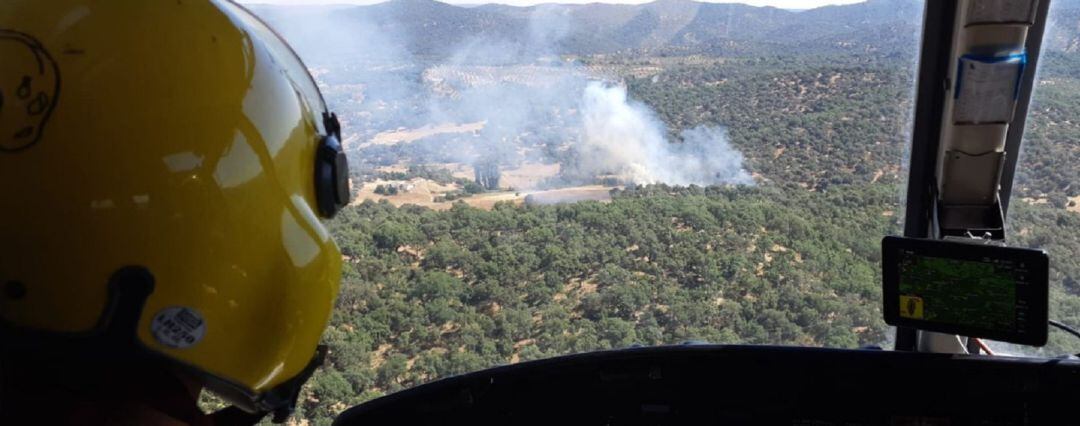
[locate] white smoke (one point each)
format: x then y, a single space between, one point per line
536 105
625 138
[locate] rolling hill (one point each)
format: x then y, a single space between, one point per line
428 27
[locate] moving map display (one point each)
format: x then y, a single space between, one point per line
971 293
967 289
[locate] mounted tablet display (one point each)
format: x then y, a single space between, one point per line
968 289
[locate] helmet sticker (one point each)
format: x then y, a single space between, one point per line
29 88
178 327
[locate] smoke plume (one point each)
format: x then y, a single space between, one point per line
535 106
625 138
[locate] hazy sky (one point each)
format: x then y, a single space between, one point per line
787 4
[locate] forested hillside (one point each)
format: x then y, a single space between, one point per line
801 121
430 293
817 102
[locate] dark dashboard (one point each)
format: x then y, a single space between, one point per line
712 384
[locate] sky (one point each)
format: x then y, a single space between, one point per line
785 4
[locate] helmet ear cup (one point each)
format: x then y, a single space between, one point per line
331 170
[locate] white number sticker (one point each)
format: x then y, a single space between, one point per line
178 327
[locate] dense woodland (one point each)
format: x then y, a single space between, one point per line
792 260
428 294
807 122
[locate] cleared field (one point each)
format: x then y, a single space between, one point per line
414 191
487 201
570 195
408 135
527 176
422 192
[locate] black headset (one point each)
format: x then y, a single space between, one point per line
331 170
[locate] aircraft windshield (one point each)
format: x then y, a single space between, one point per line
1044 211
538 181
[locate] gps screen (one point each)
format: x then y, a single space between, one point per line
972 293
973 290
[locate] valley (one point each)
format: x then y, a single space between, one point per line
537 181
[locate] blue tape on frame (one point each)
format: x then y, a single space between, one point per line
1019 58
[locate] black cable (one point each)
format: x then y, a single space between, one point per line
1065 328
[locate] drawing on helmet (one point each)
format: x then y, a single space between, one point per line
28 90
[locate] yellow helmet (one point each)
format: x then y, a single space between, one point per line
163 170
